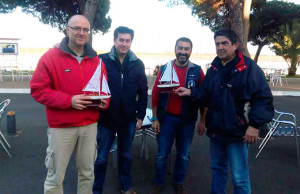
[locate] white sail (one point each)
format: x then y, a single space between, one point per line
175 77
105 87
166 77
94 84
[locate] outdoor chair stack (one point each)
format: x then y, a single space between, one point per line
4 143
145 131
282 125
276 77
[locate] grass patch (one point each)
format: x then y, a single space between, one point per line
296 76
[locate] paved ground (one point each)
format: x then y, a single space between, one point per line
274 172
293 84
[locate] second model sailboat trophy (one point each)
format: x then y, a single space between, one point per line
169 78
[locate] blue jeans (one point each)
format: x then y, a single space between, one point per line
105 138
172 127
234 153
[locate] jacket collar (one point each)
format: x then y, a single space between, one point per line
189 65
89 51
240 66
114 56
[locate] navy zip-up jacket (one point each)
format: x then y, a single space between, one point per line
129 91
226 100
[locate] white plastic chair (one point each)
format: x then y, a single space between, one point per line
3 140
145 131
282 128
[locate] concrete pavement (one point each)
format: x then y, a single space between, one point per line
275 171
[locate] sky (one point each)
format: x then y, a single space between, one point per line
156 27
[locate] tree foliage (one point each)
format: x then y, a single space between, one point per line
287 44
218 14
266 17
57 12
266 21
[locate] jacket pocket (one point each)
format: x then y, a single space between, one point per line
50 162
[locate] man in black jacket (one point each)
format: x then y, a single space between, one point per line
128 85
239 101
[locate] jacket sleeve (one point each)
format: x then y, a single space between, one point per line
42 87
156 91
262 109
201 93
142 93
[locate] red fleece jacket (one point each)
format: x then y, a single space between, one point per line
57 78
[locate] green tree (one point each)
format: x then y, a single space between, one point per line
216 14
266 19
57 12
287 45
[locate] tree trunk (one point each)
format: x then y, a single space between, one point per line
293 68
260 46
81 4
89 12
240 13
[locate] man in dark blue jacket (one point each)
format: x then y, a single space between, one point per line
239 101
128 85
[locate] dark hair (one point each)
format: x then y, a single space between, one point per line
228 33
184 39
123 30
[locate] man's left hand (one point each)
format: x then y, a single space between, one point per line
103 104
201 129
251 135
138 124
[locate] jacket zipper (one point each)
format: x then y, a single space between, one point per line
82 79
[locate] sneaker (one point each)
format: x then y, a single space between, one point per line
156 189
179 189
128 192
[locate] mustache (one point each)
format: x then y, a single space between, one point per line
185 55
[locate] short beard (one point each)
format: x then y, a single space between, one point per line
180 60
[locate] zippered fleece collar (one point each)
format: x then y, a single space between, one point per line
240 66
88 50
114 55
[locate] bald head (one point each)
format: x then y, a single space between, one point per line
78 18
78 29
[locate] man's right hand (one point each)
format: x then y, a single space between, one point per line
182 91
79 101
156 127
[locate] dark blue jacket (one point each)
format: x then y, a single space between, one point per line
190 106
225 116
128 86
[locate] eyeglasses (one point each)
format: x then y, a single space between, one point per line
78 29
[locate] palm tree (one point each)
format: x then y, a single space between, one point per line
287 44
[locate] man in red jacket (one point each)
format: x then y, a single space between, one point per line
57 83
174 117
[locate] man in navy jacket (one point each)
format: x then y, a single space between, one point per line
239 101
128 85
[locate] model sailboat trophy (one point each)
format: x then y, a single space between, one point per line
97 88
169 77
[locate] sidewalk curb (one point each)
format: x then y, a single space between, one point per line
27 91
14 91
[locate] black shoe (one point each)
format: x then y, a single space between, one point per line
179 189
156 189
